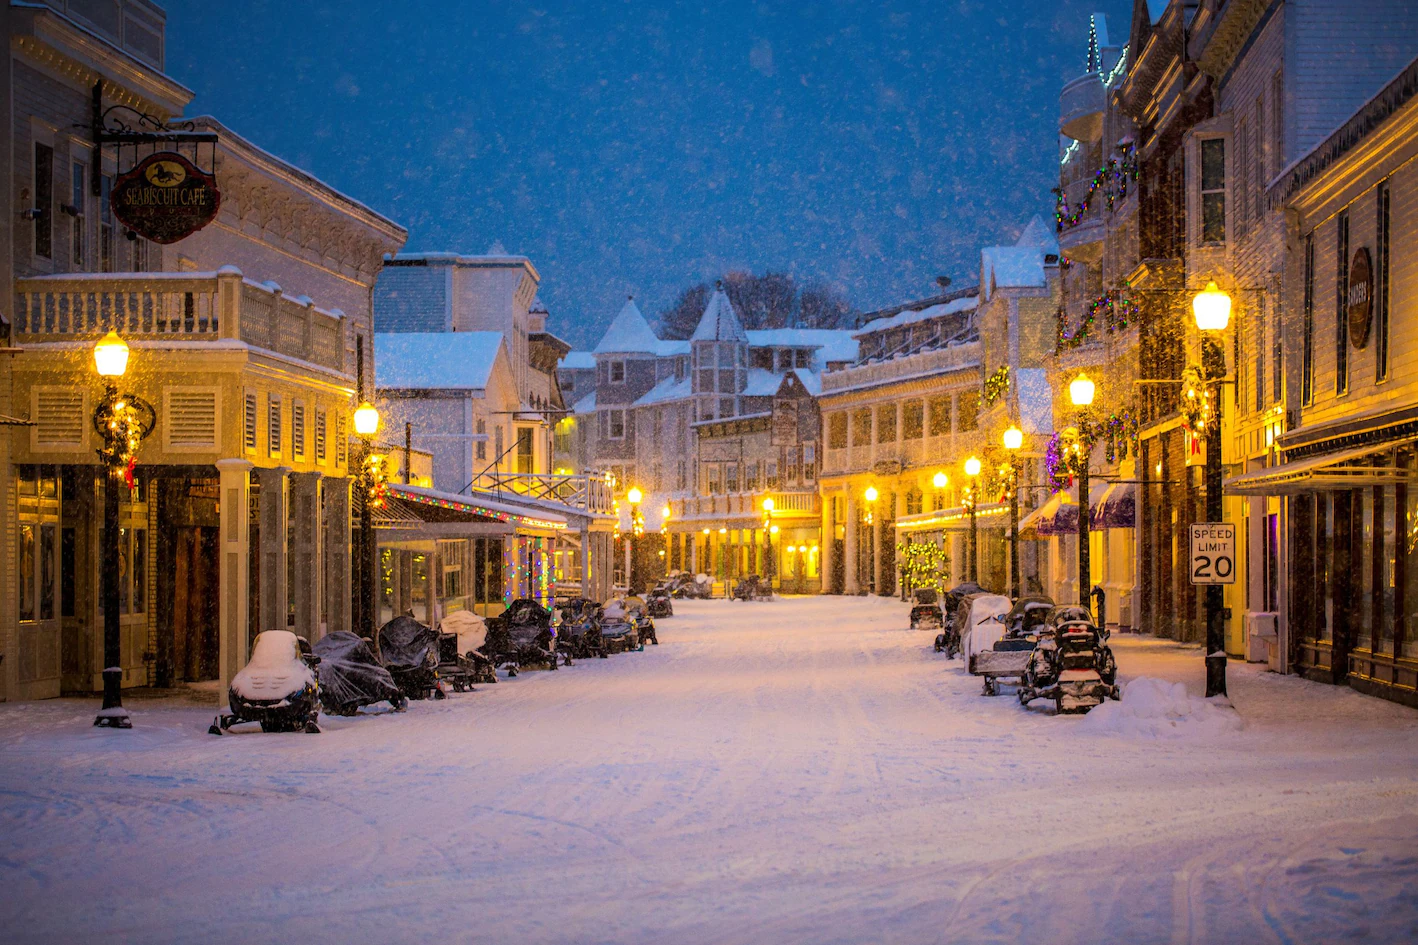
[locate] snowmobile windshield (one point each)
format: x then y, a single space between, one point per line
926 596
1025 604
404 641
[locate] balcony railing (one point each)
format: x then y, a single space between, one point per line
1081 108
178 306
907 453
743 504
924 363
590 493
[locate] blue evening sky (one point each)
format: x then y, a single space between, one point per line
641 147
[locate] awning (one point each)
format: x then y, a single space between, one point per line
430 513
1117 508
1327 471
992 515
1059 515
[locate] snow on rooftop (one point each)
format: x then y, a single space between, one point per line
1040 235
811 380
435 359
1011 267
720 322
629 333
910 317
667 390
586 404
579 361
834 344
762 383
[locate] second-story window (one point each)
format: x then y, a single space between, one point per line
711 478
968 412
750 477
1213 190
617 372
1307 350
1381 281
940 416
912 420
1341 307
886 423
837 431
481 448
43 201
617 424
105 224
861 426
809 462
731 477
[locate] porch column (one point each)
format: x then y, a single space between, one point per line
878 539
272 607
852 581
693 543
339 596
233 579
432 587
309 537
825 546
585 554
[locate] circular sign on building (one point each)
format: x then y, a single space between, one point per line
165 197
1360 297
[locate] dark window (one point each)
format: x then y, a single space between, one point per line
617 372
1308 341
44 200
886 423
77 199
1381 280
968 412
912 420
1277 359
837 431
1213 190
940 416
1341 296
105 224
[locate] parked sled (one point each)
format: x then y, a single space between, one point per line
619 633
752 587
578 629
657 603
350 675
983 625
926 611
948 641
460 660
1028 614
277 688
409 650
1072 664
638 612
521 636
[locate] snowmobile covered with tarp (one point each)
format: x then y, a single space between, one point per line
460 661
948 641
983 625
926 611
578 629
638 612
1072 664
521 636
278 687
1027 615
409 650
350 675
689 586
752 587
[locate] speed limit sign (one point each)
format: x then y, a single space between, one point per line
1213 553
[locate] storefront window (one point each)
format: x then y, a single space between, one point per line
1324 557
1385 515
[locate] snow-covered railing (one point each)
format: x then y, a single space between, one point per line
920 451
591 493
925 363
178 306
744 504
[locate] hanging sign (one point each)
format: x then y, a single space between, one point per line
1213 548
1360 297
165 197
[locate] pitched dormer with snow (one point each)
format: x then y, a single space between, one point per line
719 359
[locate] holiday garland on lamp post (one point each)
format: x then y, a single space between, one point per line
996 385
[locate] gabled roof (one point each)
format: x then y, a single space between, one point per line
579 361
1021 265
441 360
629 333
586 404
720 321
1039 234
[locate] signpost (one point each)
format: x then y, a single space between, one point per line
1213 548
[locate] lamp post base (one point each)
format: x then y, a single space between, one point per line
113 715
1215 674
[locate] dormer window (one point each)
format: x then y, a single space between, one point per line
617 372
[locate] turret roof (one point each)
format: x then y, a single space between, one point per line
720 321
629 333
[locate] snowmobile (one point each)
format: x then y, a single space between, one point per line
638 611
618 632
926 612
278 687
521 636
578 630
350 675
752 587
1027 615
948 641
409 650
1072 664
658 602
459 660
983 625
692 587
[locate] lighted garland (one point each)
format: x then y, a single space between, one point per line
1002 482
1116 309
376 486
1120 436
1113 179
923 564
1065 455
123 422
996 385
1198 406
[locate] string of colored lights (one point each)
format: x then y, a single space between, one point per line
459 505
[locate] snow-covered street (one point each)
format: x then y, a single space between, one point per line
800 771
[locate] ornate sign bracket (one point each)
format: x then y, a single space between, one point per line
121 124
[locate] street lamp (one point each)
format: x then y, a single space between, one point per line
366 426
1013 440
871 495
1080 391
770 565
1212 309
637 527
122 421
972 471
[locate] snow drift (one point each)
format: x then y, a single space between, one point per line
1155 708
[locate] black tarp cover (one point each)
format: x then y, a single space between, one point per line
349 673
404 643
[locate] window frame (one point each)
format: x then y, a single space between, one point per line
1205 236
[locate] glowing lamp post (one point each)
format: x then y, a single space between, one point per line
1080 391
1013 439
366 427
1212 309
123 421
770 564
871 495
637 526
972 472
